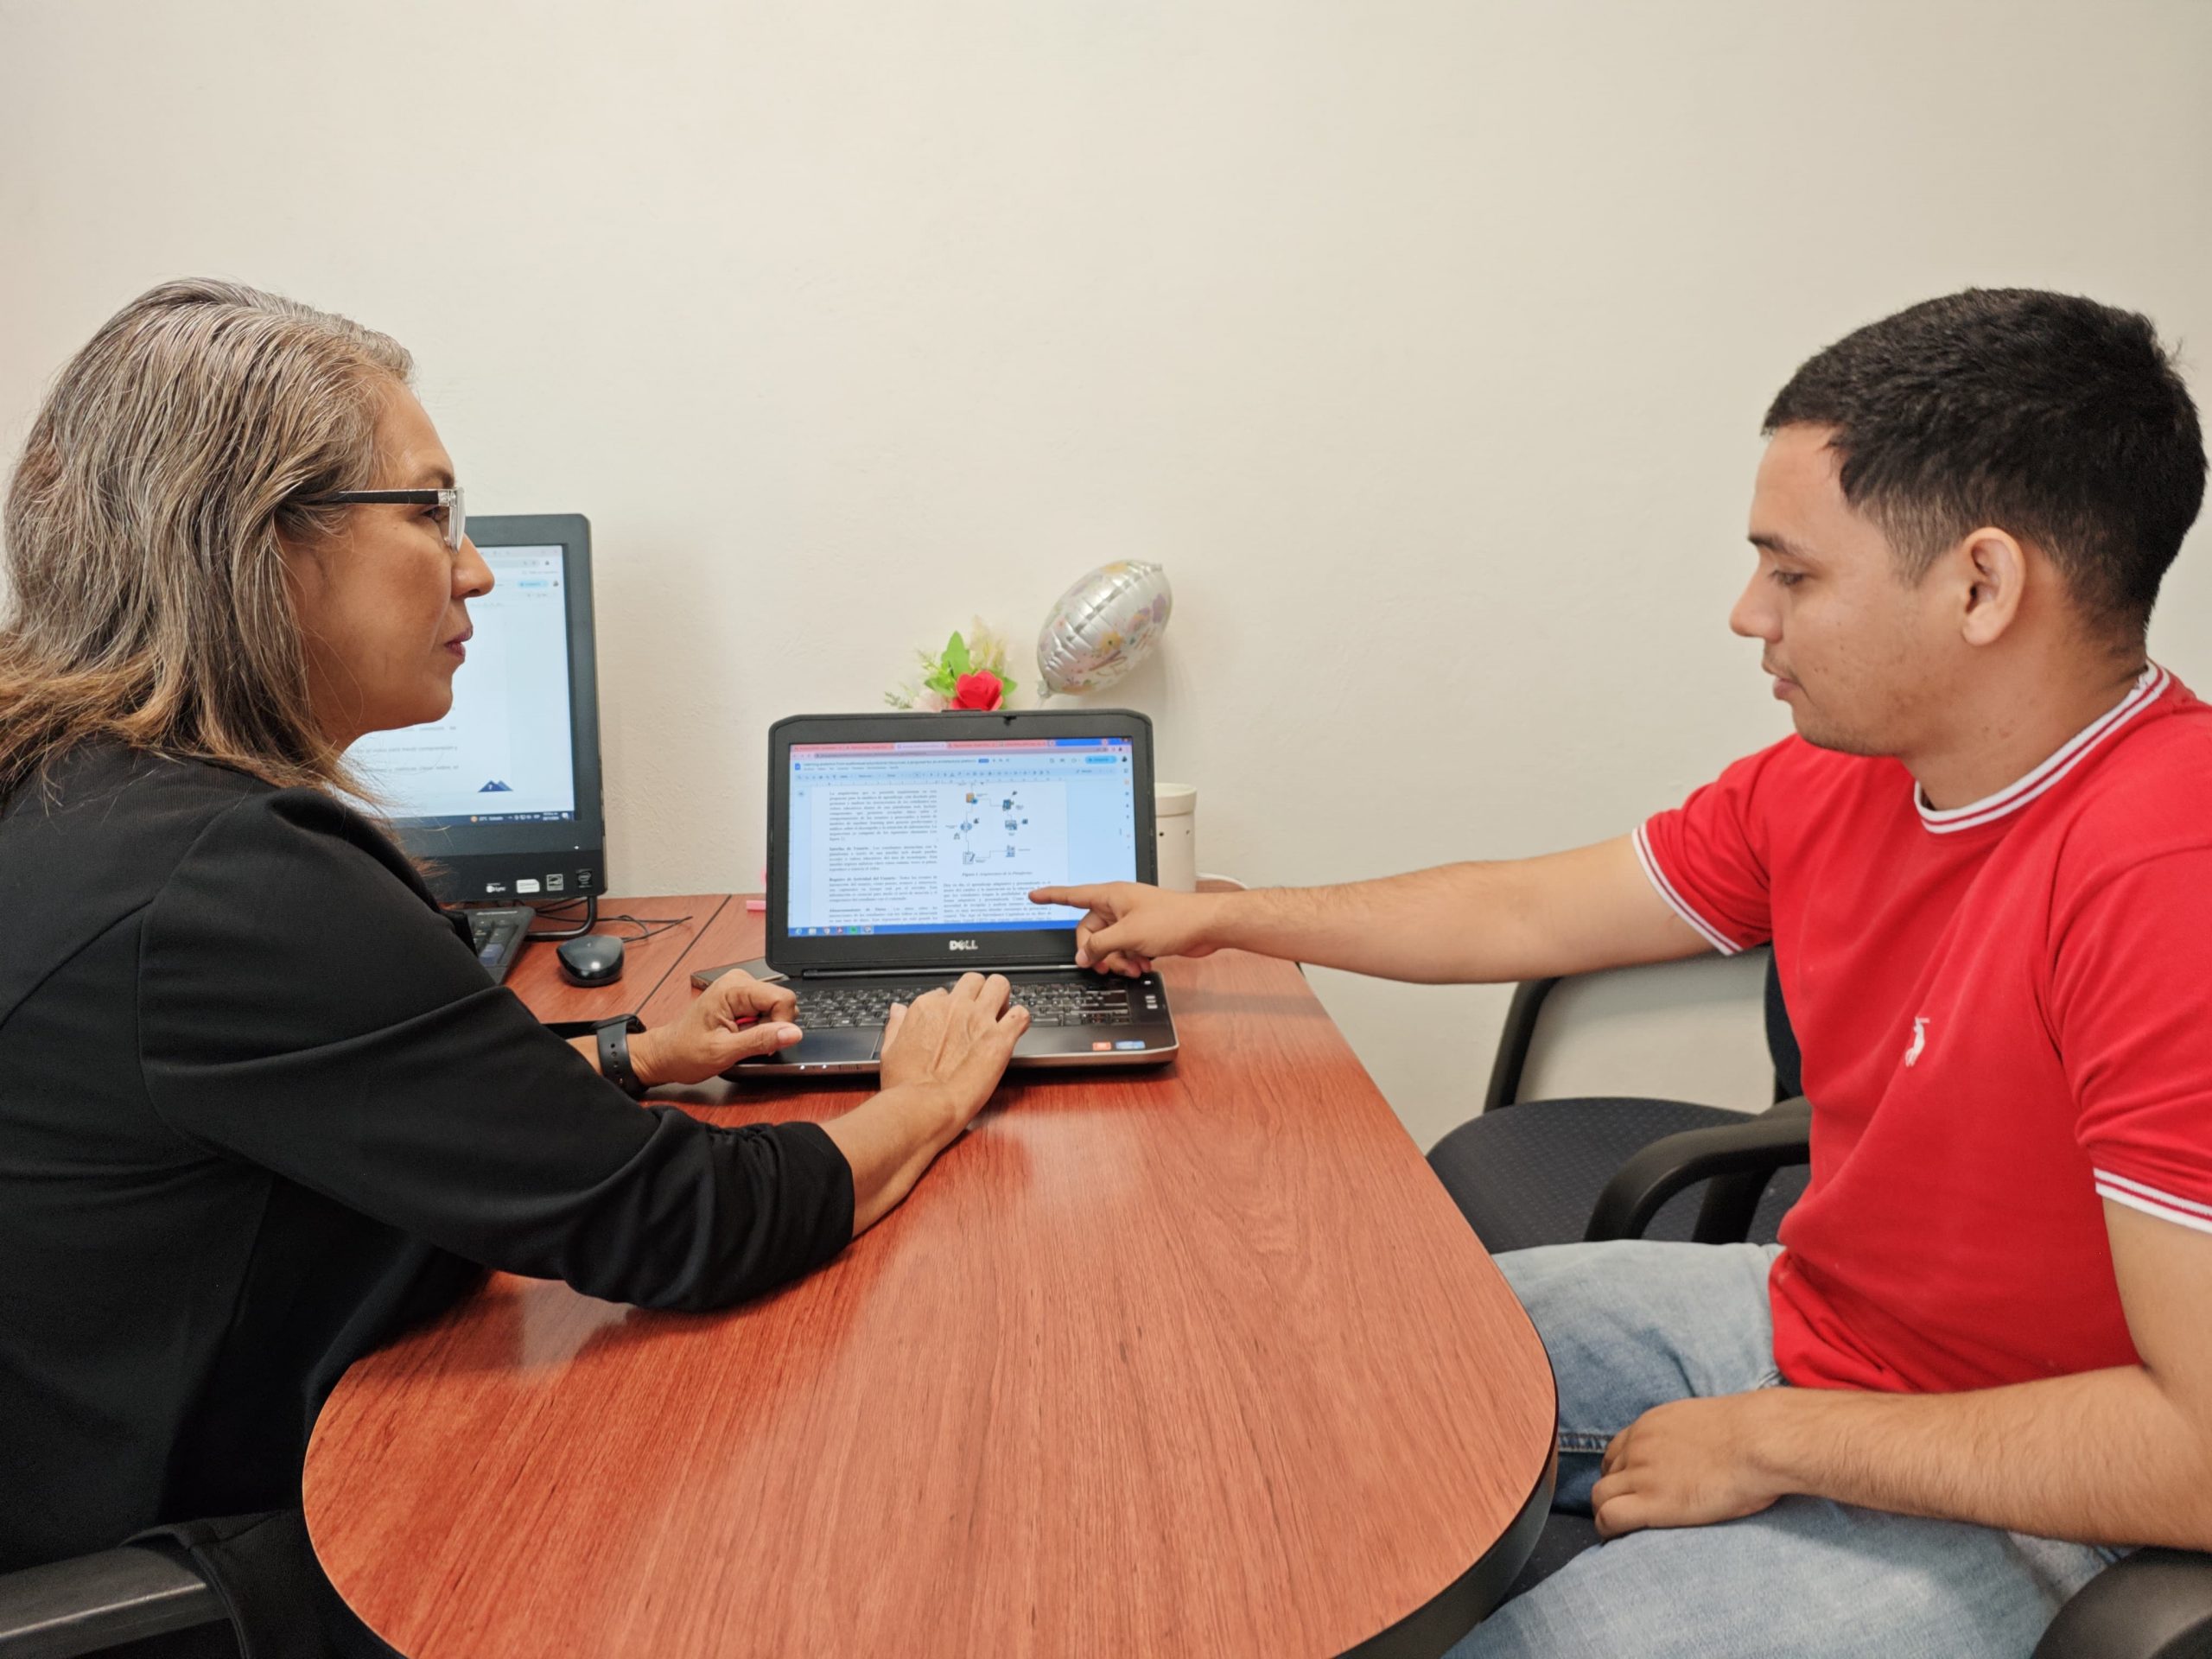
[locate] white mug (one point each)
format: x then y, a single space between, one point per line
1175 823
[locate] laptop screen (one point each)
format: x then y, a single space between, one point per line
927 837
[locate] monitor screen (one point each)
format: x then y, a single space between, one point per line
924 837
501 797
504 753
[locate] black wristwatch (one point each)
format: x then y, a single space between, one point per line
614 1055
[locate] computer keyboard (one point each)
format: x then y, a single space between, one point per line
498 935
1050 1002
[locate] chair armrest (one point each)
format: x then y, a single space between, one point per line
1754 1149
2156 1603
100 1601
1514 1042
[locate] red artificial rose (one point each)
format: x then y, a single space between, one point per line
983 689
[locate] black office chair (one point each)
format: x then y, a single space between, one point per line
113 1603
204 1589
1628 1168
1574 1169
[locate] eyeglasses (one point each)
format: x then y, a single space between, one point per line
455 515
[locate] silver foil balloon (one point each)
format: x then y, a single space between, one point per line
1102 626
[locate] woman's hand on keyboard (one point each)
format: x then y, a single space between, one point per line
954 1042
942 1055
734 1019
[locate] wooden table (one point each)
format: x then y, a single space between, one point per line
1196 1359
673 926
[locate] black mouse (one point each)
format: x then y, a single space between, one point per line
594 959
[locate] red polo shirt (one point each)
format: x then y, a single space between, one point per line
2006 1010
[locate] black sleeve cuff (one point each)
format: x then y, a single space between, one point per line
816 1165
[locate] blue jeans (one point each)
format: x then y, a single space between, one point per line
1632 1324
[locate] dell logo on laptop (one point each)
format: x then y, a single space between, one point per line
961 944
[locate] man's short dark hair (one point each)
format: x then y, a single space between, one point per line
2060 420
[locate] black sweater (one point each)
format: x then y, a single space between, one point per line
259 1109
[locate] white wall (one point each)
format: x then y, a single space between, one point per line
1424 340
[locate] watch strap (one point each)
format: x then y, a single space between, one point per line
614 1055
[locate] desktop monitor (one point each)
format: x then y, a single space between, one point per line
501 798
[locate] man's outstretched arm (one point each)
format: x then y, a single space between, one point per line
1525 918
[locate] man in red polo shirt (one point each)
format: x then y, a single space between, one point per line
1984 861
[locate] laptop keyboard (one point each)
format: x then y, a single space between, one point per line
1051 1003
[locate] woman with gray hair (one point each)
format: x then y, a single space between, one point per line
259 1105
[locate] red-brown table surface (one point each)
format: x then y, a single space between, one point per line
1196 1358
675 926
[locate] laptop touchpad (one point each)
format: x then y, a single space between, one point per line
831 1045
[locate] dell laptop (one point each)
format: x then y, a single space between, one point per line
902 849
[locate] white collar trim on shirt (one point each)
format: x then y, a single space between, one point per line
2153 680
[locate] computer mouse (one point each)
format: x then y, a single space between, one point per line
594 959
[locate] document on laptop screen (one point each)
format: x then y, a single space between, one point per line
927 837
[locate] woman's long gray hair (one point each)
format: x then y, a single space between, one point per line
149 600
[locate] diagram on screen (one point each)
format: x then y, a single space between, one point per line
978 841
995 844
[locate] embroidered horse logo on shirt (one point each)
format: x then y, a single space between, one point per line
1919 1040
